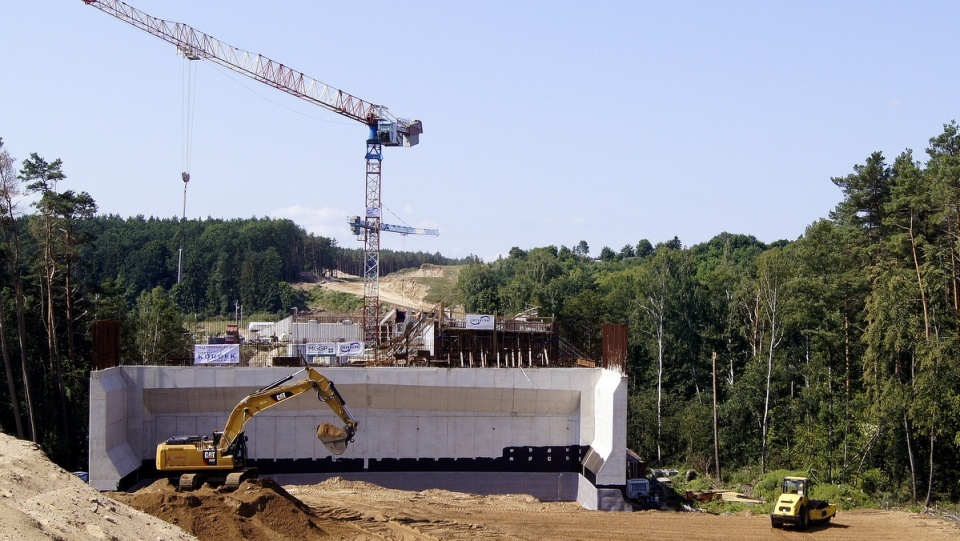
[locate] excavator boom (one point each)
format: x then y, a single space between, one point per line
335 439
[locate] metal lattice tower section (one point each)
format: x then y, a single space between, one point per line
371 248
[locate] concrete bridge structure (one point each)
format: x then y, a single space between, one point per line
558 434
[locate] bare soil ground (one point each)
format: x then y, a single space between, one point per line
339 509
401 289
40 501
437 514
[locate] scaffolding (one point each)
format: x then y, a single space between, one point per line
441 337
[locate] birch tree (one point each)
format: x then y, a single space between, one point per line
773 273
653 303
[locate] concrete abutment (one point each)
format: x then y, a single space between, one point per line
553 433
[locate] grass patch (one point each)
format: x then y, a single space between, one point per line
439 288
262 316
842 495
443 288
767 489
335 301
733 508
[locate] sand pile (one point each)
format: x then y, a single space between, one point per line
39 500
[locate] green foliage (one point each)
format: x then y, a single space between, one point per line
259 280
160 331
721 508
351 260
477 287
334 301
440 289
768 486
224 261
843 496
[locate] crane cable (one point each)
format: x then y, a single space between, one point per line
187 113
188 97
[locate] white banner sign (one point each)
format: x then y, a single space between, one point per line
479 322
216 354
349 349
321 348
336 349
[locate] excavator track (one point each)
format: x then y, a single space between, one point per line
235 479
190 481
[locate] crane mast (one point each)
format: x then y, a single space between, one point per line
385 129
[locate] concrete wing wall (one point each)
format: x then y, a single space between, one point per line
404 413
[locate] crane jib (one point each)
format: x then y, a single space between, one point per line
196 44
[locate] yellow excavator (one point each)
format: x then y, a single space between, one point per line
223 456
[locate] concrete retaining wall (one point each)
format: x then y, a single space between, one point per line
532 424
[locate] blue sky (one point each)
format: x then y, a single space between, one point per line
545 122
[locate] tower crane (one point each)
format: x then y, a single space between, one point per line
384 128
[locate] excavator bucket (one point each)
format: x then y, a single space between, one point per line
335 439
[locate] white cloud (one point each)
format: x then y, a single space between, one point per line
327 221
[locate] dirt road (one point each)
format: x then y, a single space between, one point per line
400 289
436 514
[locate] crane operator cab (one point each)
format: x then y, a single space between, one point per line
387 133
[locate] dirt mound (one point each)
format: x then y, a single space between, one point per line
259 509
39 500
393 290
339 483
425 271
402 288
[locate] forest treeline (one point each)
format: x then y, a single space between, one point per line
836 352
63 266
210 266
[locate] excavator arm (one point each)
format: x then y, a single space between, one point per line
199 457
335 439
